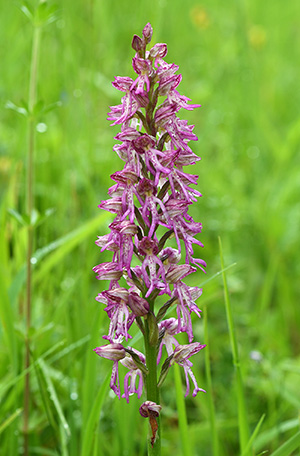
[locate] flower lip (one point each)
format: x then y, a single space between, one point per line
148 246
146 187
143 142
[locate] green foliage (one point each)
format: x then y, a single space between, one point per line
239 60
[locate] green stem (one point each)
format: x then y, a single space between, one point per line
151 387
30 230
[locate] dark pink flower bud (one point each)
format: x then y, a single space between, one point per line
159 50
137 43
138 305
147 32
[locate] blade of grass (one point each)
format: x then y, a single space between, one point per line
269 435
186 449
89 430
7 319
43 451
212 414
64 441
90 366
254 434
10 419
54 398
46 400
242 412
288 447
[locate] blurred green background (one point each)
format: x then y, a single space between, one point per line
239 60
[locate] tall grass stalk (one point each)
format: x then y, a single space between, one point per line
182 418
212 414
242 412
29 210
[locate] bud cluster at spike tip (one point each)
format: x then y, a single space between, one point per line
152 236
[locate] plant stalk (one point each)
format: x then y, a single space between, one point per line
30 229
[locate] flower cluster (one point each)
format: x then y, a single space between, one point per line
152 235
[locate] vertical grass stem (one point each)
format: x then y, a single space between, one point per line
30 230
212 414
242 412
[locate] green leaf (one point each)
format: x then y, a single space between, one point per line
288 447
51 106
38 108
45 14
164 370
23 219
163 310
10 105
26 8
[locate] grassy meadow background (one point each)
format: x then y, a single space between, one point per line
240 60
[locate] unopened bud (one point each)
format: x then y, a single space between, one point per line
137 43
148 32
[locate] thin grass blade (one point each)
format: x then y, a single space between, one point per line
89 430
212 413
54 398
186 449
254 434
10 419
242 412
